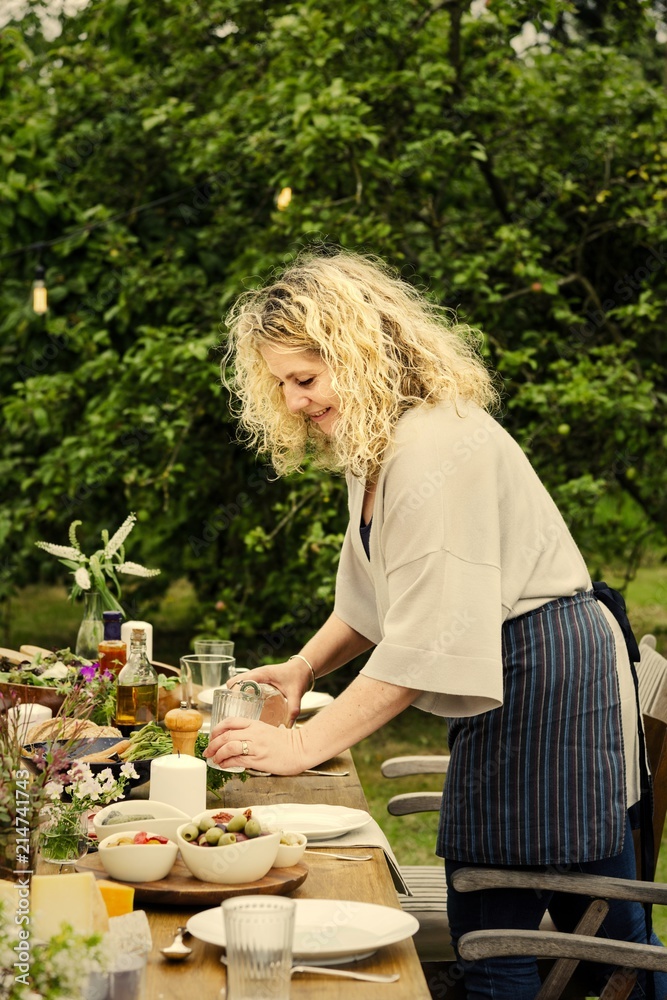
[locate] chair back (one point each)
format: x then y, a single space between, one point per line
652 679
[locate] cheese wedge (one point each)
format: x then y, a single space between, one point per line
118 899
72 899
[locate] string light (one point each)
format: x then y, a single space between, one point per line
39 292
283 199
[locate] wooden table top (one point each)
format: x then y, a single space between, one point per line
368 881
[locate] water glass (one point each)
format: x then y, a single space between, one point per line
245 701
259 932
221 647
207 669
126 980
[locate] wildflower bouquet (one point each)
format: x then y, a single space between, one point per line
27 785
97 572
61 833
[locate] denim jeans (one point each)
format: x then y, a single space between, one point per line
516 977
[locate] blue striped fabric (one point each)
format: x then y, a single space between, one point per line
540 780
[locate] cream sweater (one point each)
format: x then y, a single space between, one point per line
464 536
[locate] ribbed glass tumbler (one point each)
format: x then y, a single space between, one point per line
259 931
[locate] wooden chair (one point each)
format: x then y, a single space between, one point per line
428 902
427 882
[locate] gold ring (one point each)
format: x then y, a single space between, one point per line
244 747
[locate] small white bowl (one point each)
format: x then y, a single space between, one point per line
233 864
166 818
290 854
136 862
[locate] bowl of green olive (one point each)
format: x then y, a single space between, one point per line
227 846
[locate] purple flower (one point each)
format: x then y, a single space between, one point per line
88 673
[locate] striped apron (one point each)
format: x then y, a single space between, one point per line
540 780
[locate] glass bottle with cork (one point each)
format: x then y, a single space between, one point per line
137 688
112 651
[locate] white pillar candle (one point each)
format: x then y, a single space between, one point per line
126 635
180 781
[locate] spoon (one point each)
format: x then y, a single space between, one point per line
343 857
177 951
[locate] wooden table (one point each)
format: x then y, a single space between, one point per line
202 975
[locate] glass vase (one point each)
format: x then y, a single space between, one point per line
91 629
63 836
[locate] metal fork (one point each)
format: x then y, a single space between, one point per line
365 977
342 857
321 970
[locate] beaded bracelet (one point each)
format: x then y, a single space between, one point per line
298 656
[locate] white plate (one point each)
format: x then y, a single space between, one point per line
205 696
317 822
326 929
313 701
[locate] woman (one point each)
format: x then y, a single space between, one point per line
458 571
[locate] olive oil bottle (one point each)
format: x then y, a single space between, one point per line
137 688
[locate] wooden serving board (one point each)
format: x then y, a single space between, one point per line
181 888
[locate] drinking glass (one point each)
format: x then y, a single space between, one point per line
245 701
63 835
274 704
207 669
259 933
223 647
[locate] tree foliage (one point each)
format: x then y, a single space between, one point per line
508 157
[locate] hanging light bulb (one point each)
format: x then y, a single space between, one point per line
283 199
39 294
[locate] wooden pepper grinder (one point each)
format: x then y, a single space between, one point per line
184 724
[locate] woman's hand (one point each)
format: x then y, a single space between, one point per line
269 748
292 679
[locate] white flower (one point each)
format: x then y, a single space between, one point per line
53 789
117 540
134 569
82 578
128 770
62 551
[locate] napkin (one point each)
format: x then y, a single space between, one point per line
369 835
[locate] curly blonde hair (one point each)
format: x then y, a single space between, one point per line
386 346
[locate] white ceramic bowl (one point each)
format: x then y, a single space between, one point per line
136 862
290 854
166 818
233 864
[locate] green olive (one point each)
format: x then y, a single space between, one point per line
226 839
253 828
191 832
213 835
205 823
237 823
